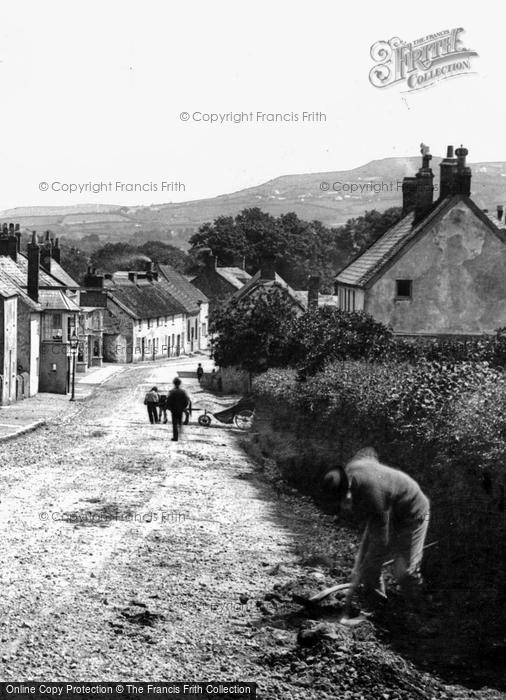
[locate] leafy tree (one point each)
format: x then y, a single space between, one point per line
165 254
299 247
359 233
328 333
74 261
253 332
121 256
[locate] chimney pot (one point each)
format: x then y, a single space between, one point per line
268 268
313 292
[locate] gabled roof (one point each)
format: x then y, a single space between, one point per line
234 275
143 300
18 272
361 271
56 300
181 289
7 288
62 275
257 282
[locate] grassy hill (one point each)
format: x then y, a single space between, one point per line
175 223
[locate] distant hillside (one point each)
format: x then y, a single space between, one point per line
302 194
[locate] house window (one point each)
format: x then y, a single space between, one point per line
139 323
404 289
149 323
204 330
346 299
52 327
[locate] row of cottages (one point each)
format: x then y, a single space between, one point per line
441 270
39 313
148 314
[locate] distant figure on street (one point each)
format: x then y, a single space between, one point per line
162 408
177 402
151 401
188 409
200 372
396 512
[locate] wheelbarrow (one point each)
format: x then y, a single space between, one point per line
240 414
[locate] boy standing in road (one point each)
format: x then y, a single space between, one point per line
177 401
151 402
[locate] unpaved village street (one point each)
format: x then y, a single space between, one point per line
126 556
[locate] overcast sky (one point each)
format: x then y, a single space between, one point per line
93 91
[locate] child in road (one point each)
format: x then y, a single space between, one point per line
151 401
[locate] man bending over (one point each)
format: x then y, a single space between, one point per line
396 513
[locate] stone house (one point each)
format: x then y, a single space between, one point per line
195 304
47 314
148 314
441 270
267 277
219 283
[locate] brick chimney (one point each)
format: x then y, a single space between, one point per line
463 174
56 250
408 195
151 273
447 169
209 259
33 268
313 291
239 261
268 268
424 184
46 252
17 233
92 280
418 191
9 241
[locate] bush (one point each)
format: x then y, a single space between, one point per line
443 423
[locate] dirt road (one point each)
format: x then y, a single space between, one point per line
127 556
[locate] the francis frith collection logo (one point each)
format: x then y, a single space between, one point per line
420 63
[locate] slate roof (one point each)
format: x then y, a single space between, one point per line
234 275
256 281
361 270
18 272
7 288
56 300
181 289
143 299
62 276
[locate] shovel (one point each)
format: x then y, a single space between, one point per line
317 597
